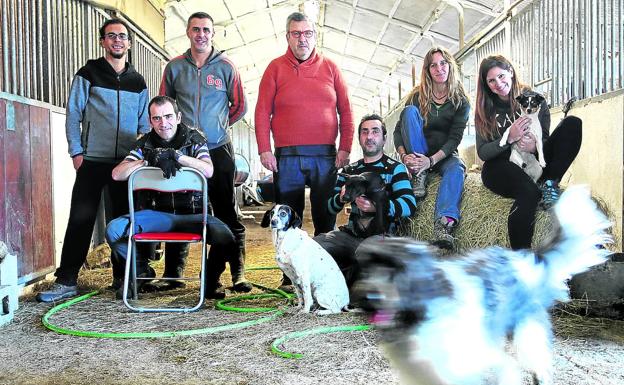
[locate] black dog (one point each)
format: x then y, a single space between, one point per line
371 186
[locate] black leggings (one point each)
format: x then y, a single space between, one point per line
508 180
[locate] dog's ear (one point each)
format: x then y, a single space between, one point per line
539 98
266 219
294 221
521 98
396 252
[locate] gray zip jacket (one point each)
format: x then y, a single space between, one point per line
210 97
106 111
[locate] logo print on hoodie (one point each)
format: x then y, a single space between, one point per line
211 81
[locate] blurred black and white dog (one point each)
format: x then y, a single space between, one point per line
447 321
530 103
313 272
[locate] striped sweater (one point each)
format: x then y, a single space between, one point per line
402 202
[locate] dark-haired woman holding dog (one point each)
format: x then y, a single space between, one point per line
427 135
497 110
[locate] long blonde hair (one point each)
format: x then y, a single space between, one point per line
485 112
456 92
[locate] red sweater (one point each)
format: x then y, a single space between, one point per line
298 103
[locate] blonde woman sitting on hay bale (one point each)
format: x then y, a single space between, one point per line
427 135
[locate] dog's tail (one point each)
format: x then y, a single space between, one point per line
577 243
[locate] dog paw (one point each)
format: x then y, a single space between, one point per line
322 312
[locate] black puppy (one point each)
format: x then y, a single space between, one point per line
371 186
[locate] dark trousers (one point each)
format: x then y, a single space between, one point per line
295 172
344 249
223 201
91 179
508 180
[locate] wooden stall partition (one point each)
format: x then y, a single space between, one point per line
26 222
3 208
41 213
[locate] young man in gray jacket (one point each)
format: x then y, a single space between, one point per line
106 110
209 93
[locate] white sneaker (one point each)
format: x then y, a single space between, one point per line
57 292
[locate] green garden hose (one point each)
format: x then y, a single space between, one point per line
221 305
119 335
275 346
275 293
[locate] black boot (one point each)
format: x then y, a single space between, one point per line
175 261
119 267
144 270
118 264
237 266
213 288
215 265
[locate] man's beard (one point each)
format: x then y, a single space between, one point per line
118 55
375 151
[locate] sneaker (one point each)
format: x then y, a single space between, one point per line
57 292
287 285
550 194
443 233
419 184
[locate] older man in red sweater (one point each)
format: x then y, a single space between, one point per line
299 96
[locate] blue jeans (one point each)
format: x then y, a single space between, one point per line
157 221
411 128
452 170
318 172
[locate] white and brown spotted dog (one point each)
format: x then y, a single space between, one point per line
313 272
530 103
447 321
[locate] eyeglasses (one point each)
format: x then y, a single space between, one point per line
297 34
113 36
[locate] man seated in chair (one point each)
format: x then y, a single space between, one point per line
169 146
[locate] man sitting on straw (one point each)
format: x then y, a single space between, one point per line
343 244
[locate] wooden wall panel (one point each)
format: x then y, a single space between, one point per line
4 208
18 189
41 213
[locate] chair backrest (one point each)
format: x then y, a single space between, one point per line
151 178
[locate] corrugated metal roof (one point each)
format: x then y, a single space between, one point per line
375 42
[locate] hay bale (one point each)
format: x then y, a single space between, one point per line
483 217
98 257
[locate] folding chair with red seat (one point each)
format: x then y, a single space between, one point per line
151 178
